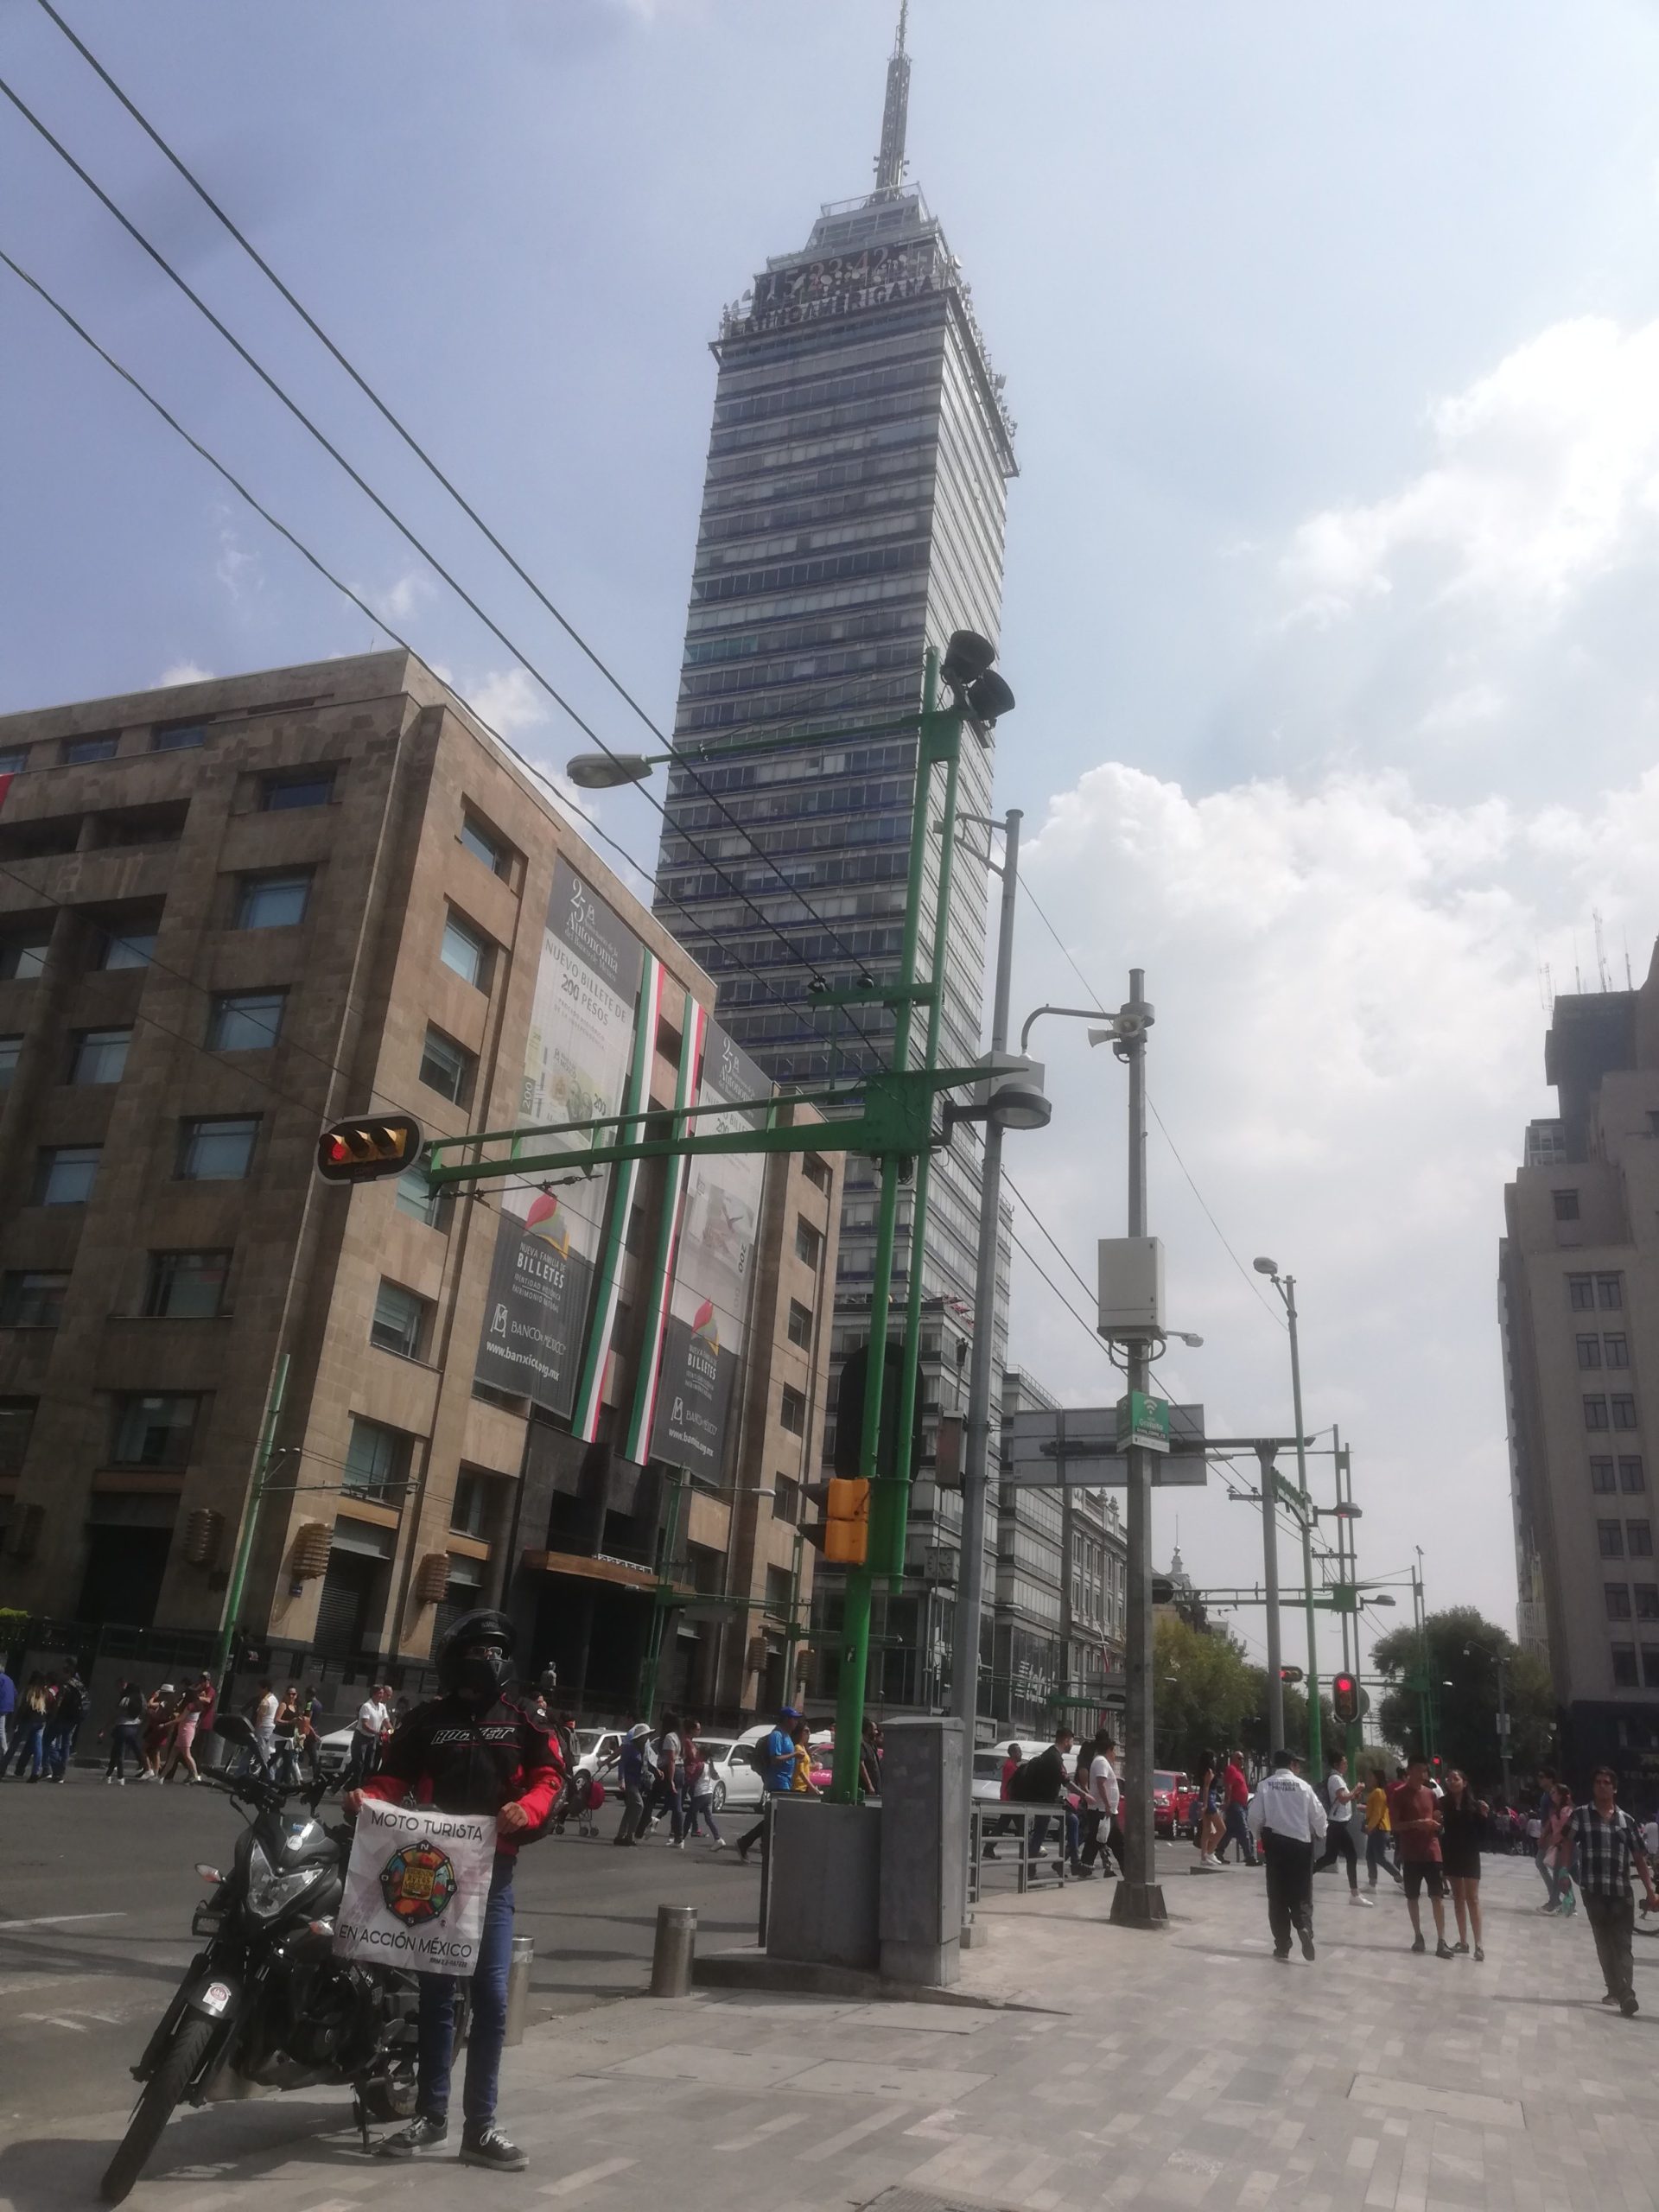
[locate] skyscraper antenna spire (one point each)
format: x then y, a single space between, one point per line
890 161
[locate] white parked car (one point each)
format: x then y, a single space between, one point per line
597 1750
737 1782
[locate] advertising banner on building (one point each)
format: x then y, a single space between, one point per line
580 1040
708 1308
416 1885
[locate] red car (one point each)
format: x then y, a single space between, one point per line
1172 1800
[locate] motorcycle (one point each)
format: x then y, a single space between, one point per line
265 2004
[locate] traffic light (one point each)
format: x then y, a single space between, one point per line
1345 1699
361 1151
843 1531
1290 1674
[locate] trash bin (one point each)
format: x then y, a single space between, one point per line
524 1957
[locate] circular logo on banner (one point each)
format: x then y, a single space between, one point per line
417 1884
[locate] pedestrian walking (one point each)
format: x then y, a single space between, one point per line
800 1779
1555 1848
777 1764
1378 1833
369 1732
7 1706
1543 1809
700 1780
1339 1832
286 1730
1236 1799
161 1707
195 1710
1607 1843
1464 1824
1287 1820
869 1757
634 1775
1106 1802
63 1724
126 1727
1416 1816
1208 1824
1041 1780
33 1709
668 1795
1014 1759
469 1751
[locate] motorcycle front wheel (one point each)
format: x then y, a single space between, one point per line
155 2108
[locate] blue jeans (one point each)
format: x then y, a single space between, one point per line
487 2030
30 1749
1238 1834
59 1747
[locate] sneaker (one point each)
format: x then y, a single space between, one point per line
421 2136
1549 1908
1628 2006
1418 1944
1611 1998
1444 1951
1307 1934
1368 1904
720 1843
1461 1948
485 2146
1281 1958
1480 1957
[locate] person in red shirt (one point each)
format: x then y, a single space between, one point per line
1011 1766
1414 1817
469 1750
1235 1798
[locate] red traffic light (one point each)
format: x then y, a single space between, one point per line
361 1151
1345 1699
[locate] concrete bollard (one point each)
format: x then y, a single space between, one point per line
677 1944
524 1957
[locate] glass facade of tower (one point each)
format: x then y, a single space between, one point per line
852 516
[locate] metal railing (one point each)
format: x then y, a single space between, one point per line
1020 1828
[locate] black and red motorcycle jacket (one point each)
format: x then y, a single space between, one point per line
452 1756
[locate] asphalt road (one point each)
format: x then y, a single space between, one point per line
97 1888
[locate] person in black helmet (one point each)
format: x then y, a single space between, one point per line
469 1751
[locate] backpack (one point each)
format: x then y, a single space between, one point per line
761 1759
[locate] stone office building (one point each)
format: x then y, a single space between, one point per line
230 913
1579 1310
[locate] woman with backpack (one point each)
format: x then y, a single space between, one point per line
700 1780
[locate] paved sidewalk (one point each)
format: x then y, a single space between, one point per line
1179 2069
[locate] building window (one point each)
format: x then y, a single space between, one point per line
1610 1293
1623 1666
399 1322
787 1501
447 1067
1581 1293
21 959
215 1151
128 949
1630 1475
1623 1412
1610 1538
419 1198
1640 1536
1601 1475
16 1425
1617 1350
816 1171
65 1173
483 846
792 1412
1595 1413
1567 1204
465 952
800 1323
10 1051
153 1432
99 1055
1589 1351
1651 1666
1619 1600
1647 1601
186 1285
471 1511
780 1592
245 1021
32 1299
177 737
316 787
809 1244
14 760
377 1459
273 902
78 751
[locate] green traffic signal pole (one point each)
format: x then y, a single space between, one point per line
250 1523
1315 1734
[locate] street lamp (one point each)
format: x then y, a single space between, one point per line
1286 1286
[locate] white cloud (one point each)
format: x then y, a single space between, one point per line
182 671
237 569
508 701
400 600
1546 475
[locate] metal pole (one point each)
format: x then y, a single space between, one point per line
792 1638
1270 1577
1315 1737
976 1439
250 1523
1504 1728
1138 1901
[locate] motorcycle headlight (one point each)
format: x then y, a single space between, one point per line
270 1892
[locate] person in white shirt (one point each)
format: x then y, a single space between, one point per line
373 1719
1339 1837
1287 1820
1104 1798
265 1722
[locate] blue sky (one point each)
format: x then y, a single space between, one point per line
1331 335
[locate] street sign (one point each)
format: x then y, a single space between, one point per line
1142 1420
1076 1447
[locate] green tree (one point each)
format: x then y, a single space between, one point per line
1453 1661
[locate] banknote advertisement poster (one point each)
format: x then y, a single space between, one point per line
575 1068
708 1308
